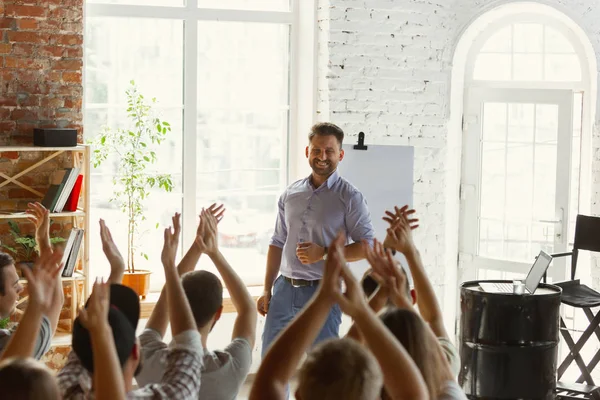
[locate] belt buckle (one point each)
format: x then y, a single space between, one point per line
294 284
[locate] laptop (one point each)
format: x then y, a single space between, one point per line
537 271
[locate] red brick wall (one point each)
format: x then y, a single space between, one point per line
41 60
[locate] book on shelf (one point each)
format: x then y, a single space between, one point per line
73 253
67 188
57 182
68 248
73 200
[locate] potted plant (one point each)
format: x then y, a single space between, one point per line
134 148
25 248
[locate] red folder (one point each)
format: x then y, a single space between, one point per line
73 199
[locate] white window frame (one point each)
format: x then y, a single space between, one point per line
302 76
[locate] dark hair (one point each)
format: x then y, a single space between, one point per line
410 330
204 292
326 129
27 379
370 285
5 261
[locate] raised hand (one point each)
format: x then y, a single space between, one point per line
40 217
309 253
169 251
388 273
330 284
399 234
95 315
42 280
112 253
207 242
217 210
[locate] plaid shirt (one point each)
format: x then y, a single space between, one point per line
181 380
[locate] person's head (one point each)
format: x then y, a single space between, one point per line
370 285
324 150
123 316
10 288
339 369
204 292
410 329
27 379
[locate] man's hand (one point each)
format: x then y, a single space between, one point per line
330 284
399 234
207 242
262 304
309 253
40 217
112 253
169 251
95 316
42 281
218 211
387 272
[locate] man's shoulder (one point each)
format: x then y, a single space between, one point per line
345 188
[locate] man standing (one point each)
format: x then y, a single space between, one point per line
311 213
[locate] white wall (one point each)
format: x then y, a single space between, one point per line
385 68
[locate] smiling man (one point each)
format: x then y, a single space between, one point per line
311 213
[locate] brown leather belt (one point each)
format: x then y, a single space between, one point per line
301 282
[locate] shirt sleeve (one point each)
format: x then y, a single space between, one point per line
241 358
358 219
451 355
44 339
452 391
154 354
280 234
71 376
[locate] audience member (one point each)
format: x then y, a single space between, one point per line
223 371
359 380
11 289
27 379
108 348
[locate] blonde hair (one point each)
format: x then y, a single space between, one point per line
27 379
410 329
340 369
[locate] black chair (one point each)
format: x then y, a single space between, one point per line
578 295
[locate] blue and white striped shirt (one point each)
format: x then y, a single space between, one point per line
316 215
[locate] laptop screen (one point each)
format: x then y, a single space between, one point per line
537 271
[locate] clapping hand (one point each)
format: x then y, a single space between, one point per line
387 272
169 251
399 234
330 284
207 242
42 280
95 315
39 216
112 253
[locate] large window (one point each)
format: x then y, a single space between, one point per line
222 82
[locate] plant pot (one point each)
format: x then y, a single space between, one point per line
139 281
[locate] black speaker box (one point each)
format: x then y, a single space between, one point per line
54 137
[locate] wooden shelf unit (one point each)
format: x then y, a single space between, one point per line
81 156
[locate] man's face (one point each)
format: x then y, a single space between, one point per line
12 290
324 154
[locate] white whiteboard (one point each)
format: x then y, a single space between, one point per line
384 175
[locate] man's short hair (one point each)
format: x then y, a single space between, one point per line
204 292
27 379
370 285
340 369
5 261
326 129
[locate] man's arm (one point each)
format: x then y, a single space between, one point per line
274 255
282 359
400 235
245 323
159 318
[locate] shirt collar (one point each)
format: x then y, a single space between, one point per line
333 178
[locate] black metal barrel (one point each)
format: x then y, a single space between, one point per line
508 343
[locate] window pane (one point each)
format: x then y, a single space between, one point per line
520 122
527 67
499 42
172 3
492 67
556 42
562 68
494 122
546 123
242 121
263 5
527 38
149 51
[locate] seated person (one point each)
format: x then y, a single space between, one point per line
223 371
10 288
355 376
27 379
104 342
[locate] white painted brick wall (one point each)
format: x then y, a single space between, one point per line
385 68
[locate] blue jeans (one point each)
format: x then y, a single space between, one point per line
286 302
